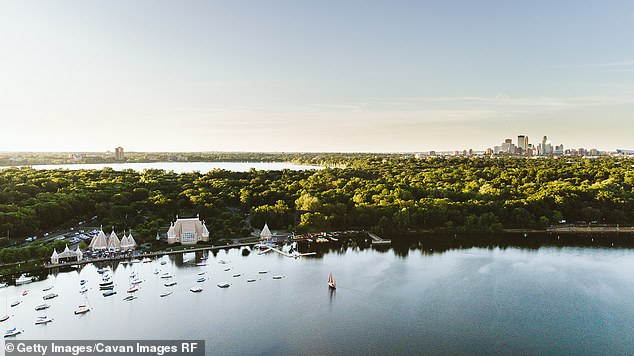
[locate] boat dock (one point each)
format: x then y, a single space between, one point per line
150 254
377 240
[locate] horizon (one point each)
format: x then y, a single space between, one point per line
355 77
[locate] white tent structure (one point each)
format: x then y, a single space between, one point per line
113 241
99 242
127 242
266 233
77 255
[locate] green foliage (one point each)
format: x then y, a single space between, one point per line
387 194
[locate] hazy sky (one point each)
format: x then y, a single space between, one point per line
276 75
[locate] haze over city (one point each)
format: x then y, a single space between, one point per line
314 76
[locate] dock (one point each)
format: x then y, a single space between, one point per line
377 240
150 254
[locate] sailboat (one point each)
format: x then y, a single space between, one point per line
12 332
43 320
84 308
331 282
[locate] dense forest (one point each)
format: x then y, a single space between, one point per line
385 195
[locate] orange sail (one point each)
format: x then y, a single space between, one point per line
331 282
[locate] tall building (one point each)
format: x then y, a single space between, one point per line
522 143
118 154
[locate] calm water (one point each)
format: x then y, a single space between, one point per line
556 301
181 167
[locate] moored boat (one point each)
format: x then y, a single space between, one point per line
170 284
201 264
82 309
251 280
263 272
43 320
12 332
23 279
25 292
48 288
4 318
166 275
136 281
196 289
201 273
109 293
82 282
15 304
165 294
201 279
130 298
277 277
147 260
42 306
50 296
223 285
133 288
237 274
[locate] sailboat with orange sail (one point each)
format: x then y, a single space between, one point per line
331 282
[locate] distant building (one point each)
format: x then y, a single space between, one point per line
522 143
118 154
187 231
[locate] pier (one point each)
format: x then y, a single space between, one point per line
377 240
150 254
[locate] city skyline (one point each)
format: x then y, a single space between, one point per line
313 77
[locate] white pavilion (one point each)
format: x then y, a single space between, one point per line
128 242
99 242
265 234
68 254
187 231
112 242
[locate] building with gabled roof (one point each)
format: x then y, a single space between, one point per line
187 231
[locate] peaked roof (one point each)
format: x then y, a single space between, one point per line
113 241
99 242
266 233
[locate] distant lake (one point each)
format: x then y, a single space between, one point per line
182 167
472 301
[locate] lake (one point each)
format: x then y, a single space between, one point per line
182 167
471 301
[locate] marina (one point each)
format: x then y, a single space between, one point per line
422 298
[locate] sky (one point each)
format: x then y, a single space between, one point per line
329 75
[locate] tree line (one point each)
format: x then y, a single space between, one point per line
388 195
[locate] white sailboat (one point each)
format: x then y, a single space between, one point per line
12 332
331 282
83 309
43 320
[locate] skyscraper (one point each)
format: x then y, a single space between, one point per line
522 143
118 154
